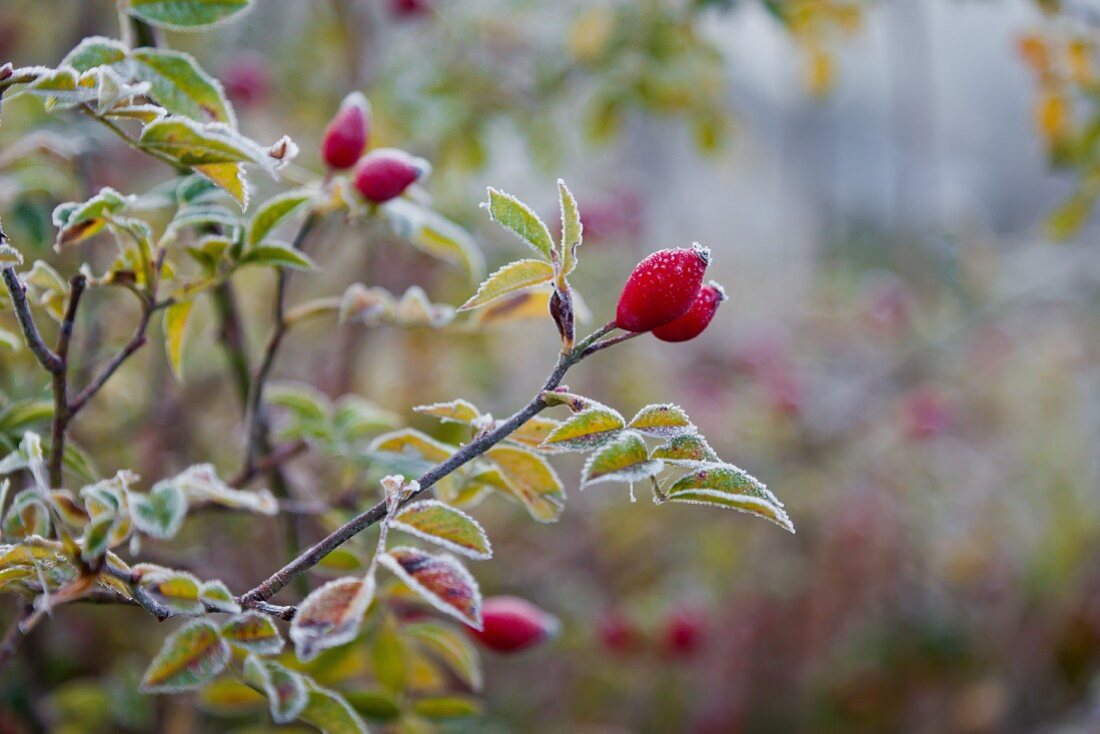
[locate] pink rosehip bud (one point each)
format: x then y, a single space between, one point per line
385 173
662 288
346 135
692 323
511 624
684 632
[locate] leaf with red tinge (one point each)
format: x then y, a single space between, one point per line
662 421
254 632
438 523
331 615
190 656
440 579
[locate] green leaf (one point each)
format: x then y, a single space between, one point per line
662 421
20 414
175 326
178 591
450 646
625 459
160 512
254 632
448 707
586 430
518 218
202 144
274 212
185 15
200 484
688 450
443 525
192 655
512 277
377 705
277 255
388 656
331 615
287 692
724 485
94 51
354 417
77 222
330 713
216 595
305 402
572 230
179 84
97 537
441 580
434 234
529 478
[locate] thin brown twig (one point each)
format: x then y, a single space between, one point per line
274 458
61 411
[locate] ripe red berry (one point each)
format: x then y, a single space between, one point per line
346 136
692 323
385 173
410 8
662 288
684 632
511 624
618 633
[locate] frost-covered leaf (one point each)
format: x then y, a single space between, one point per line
512 277
689 450
178 591
175 327
366 305
586 430
200 484
725 485
439 579
190 656
533 303
571 229
28 515
274 212
331 615
434 234
64 503
229 177
202 144
77 222
94 51
410 439
452 647
285 689
216 595
329 712
415 309
575 403
185 15
534 431
455 411
254 632
63 88
662 421
277 255
97 537
625 459
161 511
179 84
529 478
518 218
445 526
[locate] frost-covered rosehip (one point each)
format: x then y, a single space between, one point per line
691 324
662 288
346 135
511 624
385 173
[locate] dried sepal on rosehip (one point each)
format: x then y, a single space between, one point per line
347 134
385 173
692 323
511 624
662 288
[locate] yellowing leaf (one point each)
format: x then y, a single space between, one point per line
329 712
331 615
229 177
626 459
586 430
516 306
450 646
529 478
178 591
445 526
455 411
252 631
517 217
274 212
662 421
439 579
512 277
410 439
534 432
175 325
192 655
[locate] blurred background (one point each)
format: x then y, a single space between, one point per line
897 195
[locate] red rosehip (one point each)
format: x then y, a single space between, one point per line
662 288
618 633
247 79
684 632
410 8
346 135
691 324
385 173
511 624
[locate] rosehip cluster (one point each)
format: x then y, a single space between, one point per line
665 294
511 624
380 175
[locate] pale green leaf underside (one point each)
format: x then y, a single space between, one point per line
512 277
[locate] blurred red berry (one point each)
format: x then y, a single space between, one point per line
662 288
385 173
618 633
511 624
347 134
692 323
784 392
685 632
410 8
927 414
247 79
